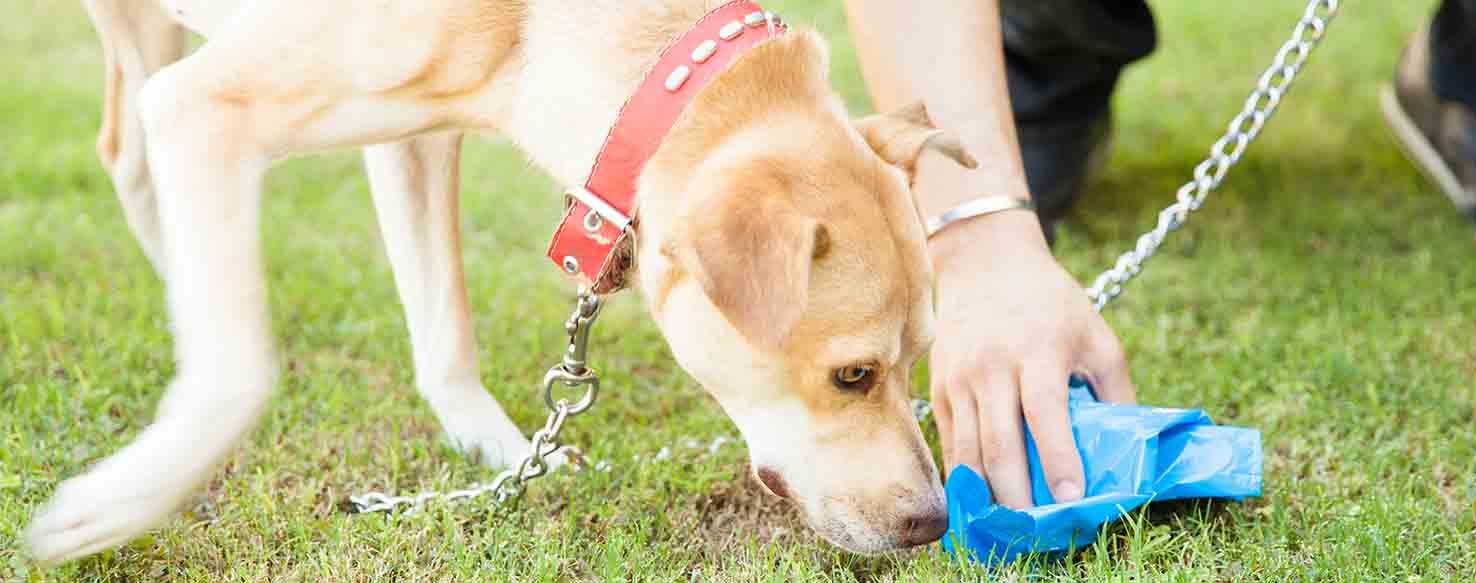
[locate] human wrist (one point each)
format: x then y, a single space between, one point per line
966 245
942 186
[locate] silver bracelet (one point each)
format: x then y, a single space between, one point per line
984 205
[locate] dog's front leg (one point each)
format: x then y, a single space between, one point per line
415 186
208 181
208 202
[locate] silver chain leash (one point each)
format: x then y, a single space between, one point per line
572 372
1243 129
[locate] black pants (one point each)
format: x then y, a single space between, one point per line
1063 59
1453 51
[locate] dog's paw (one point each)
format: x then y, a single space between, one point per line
499 452
488 450
135 489
504 457
477 426
94 512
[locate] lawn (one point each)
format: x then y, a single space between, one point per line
1326 296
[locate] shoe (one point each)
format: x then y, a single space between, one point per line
1437 135
1059 160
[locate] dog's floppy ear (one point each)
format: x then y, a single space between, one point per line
751 253
900 136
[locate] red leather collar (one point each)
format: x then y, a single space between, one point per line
592 242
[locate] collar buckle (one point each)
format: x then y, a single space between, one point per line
600 211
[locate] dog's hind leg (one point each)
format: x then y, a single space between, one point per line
415 186
138 38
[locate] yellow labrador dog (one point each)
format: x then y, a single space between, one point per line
779 250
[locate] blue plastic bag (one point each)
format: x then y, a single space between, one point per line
1130 455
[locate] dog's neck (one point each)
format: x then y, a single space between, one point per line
580 66
767 97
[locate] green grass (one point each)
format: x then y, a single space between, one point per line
1326 296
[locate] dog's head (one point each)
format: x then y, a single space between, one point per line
783 256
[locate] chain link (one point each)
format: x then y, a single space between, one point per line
571 372
1226 151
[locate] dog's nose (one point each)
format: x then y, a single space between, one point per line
923 528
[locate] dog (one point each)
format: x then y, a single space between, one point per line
780 249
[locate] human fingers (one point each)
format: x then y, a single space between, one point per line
1044 401
1107 367
1001 442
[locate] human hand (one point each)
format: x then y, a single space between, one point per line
1012 326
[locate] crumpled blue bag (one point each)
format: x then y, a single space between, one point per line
1130 454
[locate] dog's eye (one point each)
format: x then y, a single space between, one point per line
856 377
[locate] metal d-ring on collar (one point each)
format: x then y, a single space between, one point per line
984 205
594 220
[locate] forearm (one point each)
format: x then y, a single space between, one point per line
949 54
1012 325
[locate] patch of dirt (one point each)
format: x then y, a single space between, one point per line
1448 486
742 511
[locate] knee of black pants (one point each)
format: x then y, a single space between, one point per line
1453 51
1063 57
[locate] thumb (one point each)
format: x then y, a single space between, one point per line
1107 367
